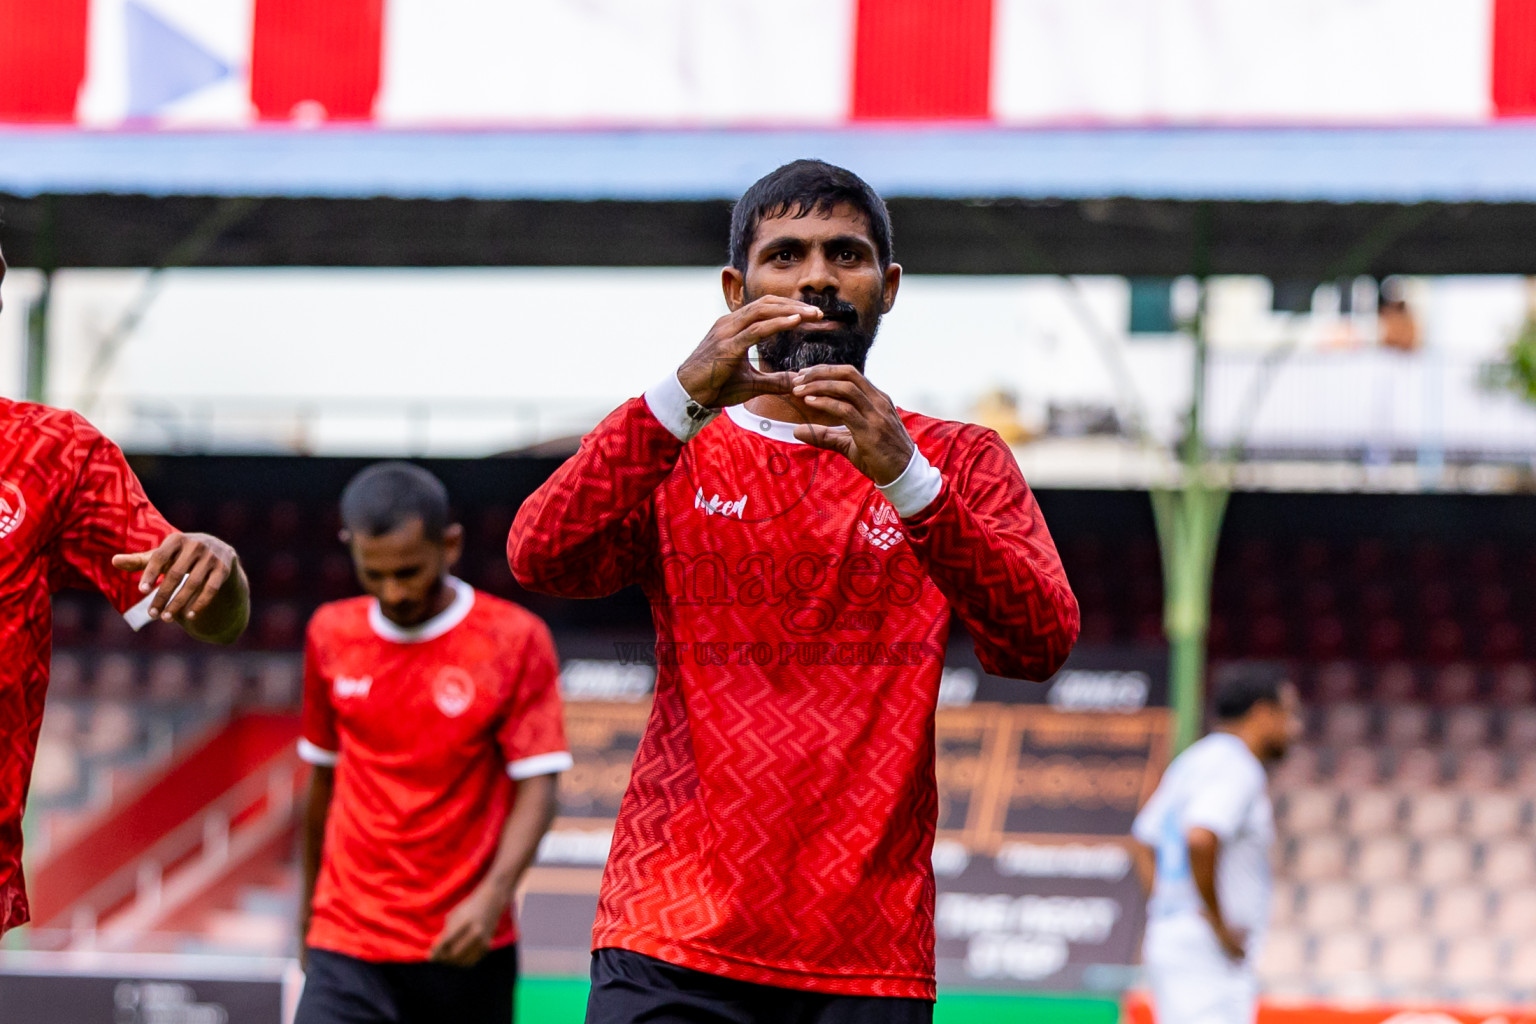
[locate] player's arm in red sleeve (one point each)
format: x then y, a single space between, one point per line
977 532
532 741
320 746
985 545
114 538
589 530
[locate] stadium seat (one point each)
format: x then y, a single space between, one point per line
1297 771
1514 686
1521 963
1418 768
1342 955
1444 641
1453 684
281 578
1308 810
1345 725
335 579
279 627
169 679
1392 907
1336 682
1466 727
1395 683
69 623
1481 770
1356 768
1284 956
1509 862
111 730
284 526
1445 861
1498 815
1382 858
1384 639
1502 641
1520 729
1319 859
1514 914
116 677
1434 813
1408 958
1473 960
1406 725
1459 910
1330 906
67 675
1373 811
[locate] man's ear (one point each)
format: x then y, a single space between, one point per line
891 284
453 544
733 283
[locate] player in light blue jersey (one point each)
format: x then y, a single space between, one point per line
1204 856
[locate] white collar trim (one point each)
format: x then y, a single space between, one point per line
749 421
436 626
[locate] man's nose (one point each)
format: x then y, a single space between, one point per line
818 274
395 593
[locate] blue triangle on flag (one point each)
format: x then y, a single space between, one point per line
163 63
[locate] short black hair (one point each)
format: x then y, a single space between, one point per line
1247 685
802 188
388 495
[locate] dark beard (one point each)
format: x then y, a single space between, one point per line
800 349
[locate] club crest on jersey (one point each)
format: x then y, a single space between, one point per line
346 687
717 506
453 691
13 508
883 529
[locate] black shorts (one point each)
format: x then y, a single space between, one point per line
630 988
340 989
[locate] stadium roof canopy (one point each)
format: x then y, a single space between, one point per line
1287 202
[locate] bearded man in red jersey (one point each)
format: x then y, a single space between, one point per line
802 555
72 513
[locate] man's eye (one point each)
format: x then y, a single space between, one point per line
783 255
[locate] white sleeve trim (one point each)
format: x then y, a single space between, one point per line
916 488
541 764
138 616
312 754
676 410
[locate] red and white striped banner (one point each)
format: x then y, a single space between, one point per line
650 63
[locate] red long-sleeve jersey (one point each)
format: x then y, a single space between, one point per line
778 826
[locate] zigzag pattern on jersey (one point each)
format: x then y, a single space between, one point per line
986 547
83 505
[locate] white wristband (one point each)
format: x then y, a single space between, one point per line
676 410
916 488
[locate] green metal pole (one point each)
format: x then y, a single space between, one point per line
37 342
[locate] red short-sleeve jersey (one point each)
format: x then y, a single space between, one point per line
427 728
68 503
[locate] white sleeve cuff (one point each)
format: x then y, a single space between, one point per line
311 754
541 764
672 406
138 616
916 488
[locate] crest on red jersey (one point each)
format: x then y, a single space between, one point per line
13 508
883 529
453 691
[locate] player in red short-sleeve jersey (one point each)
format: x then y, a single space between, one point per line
432 716
802 555
73 514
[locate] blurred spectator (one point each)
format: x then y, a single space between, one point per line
1399 328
